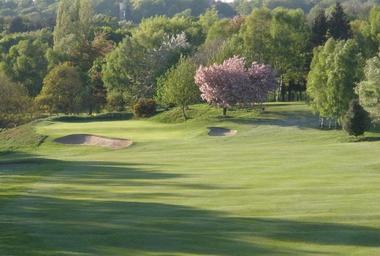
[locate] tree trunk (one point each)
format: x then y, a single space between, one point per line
90 110
282 89
224 111
184 112
322 125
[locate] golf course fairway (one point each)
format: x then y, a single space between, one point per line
279 186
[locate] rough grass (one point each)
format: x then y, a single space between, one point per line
23 137
202 112
279 187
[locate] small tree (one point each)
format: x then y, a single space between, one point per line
357 120
231 83
62 90
178 87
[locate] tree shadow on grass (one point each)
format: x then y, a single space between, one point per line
370 139
43 225
85 219
300 119
373 135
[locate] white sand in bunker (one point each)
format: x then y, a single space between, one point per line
219 131
93 140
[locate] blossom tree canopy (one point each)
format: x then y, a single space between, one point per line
232 83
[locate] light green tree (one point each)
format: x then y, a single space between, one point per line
229 48
335 70
256 33
26 63
73 35
152 31
73 26
178 87
207 19
279 38
128 69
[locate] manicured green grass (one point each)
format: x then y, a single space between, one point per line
280 187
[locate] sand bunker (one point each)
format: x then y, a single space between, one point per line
219 131
92 140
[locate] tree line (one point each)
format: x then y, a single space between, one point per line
90 62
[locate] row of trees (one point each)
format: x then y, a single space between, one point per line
344 74
29 15
92 62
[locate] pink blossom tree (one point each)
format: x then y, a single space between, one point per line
232 83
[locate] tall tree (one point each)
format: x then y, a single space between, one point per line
133 69
335 71
290 54
280 38
361 30
73 30
339 25
256 33
128 70
319 29
374 22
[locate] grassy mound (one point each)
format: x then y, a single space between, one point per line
20 138
202 112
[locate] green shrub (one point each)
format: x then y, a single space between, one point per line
357 120
115 101
145 108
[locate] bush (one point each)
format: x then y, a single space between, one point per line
112 116
144 108
357 120
115 101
